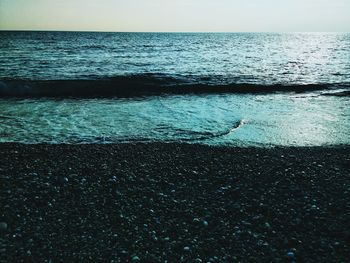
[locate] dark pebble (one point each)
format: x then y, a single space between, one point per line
173 202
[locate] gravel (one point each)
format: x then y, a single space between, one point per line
174 203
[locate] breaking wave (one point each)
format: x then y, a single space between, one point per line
145 84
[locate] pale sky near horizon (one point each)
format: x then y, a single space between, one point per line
176 15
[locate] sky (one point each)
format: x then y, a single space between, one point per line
177 15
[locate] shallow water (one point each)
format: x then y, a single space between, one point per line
241 120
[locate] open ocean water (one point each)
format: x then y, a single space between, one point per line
242 89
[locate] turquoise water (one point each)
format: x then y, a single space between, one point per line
229 119
263 67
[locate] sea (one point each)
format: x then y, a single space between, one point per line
232 89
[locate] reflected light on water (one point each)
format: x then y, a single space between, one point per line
274 119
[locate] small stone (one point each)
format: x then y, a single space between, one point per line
267 225
213 259
186 249
290 254
314 207
205 223
65 180
135 259
195 220
3 226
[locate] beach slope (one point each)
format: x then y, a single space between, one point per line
176 202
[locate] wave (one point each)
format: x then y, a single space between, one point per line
205 135
182 135
144 84
340 93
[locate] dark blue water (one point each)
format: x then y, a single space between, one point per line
235 89
303 58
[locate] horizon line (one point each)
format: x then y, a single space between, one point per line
210 32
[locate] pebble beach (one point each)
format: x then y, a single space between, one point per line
160 202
